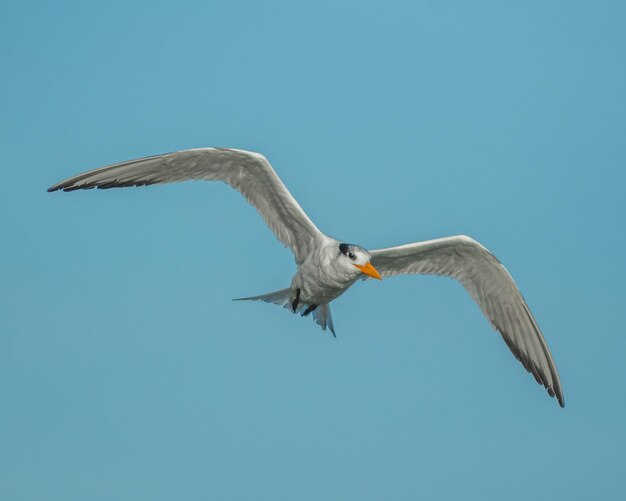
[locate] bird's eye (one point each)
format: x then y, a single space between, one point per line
351 256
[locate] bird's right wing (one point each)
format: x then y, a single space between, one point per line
490 285
249 173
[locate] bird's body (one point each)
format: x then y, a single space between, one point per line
320 278
327 267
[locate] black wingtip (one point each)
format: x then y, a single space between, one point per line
558 396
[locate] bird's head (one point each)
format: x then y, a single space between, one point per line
352 256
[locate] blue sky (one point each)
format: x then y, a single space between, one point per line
127 373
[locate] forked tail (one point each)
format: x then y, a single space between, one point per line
321 313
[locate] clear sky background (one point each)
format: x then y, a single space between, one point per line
126 372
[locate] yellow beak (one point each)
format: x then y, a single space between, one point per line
368 269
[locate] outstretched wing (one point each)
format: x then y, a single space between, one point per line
249 173
490 285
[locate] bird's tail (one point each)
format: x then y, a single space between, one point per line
321 313
281 298
323 318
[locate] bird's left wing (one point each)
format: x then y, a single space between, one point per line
490 285
249 173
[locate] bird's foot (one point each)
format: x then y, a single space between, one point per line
310 309
296 301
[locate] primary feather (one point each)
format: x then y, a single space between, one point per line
247 172
490 285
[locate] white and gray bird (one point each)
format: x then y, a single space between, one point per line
328 267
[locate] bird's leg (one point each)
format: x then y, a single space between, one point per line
296 301
310 309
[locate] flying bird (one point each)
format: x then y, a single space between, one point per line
327 267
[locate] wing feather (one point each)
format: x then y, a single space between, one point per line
247 172
490 285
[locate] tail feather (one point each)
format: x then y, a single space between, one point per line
323 318
282 297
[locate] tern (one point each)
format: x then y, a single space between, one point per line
327 267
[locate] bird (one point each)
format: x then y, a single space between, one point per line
328 267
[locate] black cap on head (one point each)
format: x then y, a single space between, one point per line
345 248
